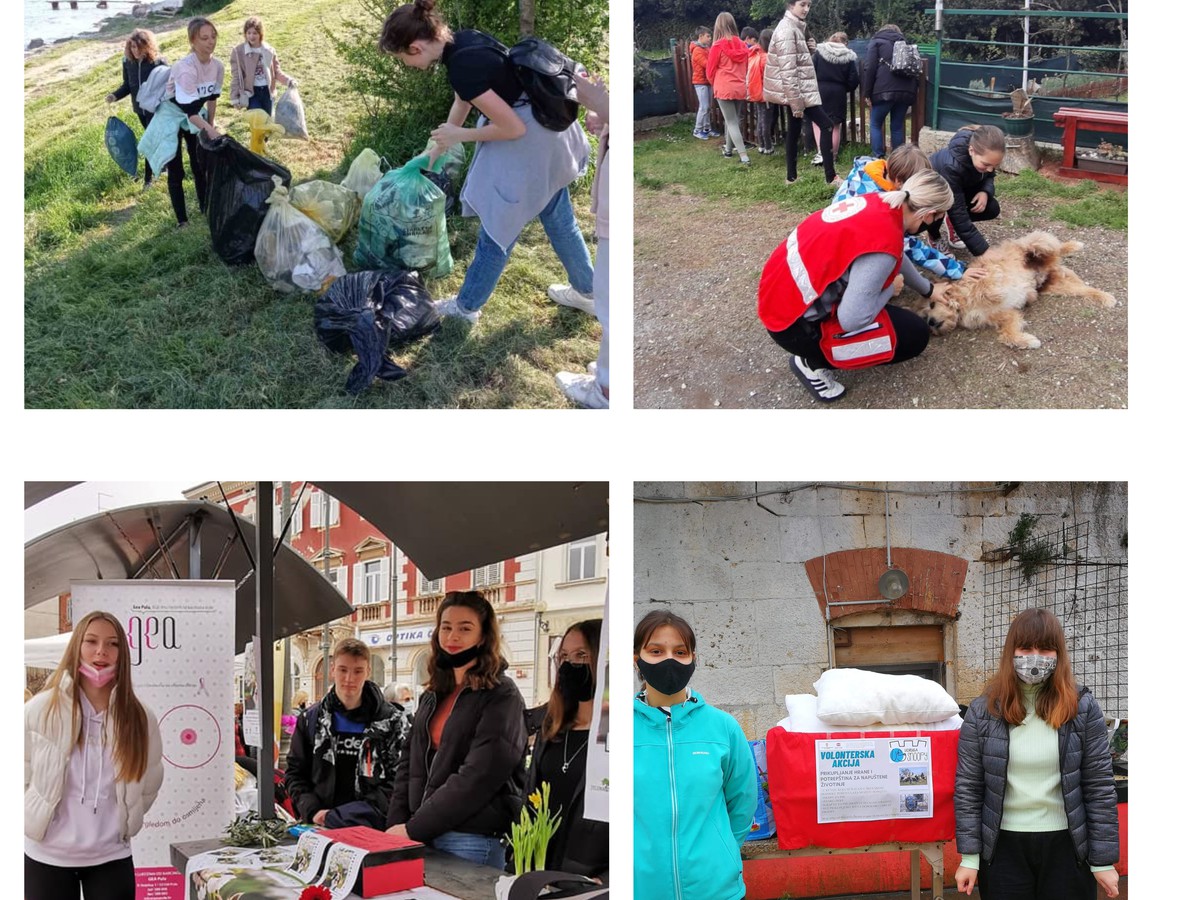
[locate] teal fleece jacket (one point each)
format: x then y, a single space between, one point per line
695 791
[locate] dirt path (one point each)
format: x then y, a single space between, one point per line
698 341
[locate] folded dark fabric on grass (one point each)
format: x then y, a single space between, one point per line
370 313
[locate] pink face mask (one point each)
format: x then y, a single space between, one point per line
97 677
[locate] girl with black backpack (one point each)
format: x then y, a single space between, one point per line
521 169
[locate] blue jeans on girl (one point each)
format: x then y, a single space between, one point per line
476 848
558 219
261 99
879 111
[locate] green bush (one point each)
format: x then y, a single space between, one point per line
402 105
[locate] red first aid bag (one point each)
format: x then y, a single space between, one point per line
870 346
792 776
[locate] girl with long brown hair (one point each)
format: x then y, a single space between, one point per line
1034 798
93 767
141 58
520 171
560 753
458 782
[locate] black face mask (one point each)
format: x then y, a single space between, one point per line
455 660
667 677
576 682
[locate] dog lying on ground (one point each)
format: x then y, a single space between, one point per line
1017 272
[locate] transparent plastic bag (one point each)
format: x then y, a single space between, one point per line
289 112
292 251
331 206
364 173
262 126
403 223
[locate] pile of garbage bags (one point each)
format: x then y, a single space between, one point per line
369 313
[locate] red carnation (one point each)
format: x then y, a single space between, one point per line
316 892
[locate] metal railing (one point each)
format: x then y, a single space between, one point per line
943 66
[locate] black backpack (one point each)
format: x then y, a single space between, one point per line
545 74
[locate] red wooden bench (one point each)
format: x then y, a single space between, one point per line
1072 118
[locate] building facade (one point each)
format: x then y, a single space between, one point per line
535 596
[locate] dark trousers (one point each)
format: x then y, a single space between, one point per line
261 99
175 176
110 881
802 338
144 117
991 211
818 115
1035 866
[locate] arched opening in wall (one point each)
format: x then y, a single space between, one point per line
892 649
419 667
377 670
318 680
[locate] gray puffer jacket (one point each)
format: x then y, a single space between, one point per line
789 78
1085 766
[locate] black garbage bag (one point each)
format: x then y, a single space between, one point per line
239 183
369 313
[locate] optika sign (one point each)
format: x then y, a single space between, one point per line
150 633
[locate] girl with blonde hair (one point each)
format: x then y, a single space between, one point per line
832 279
93 767
728 60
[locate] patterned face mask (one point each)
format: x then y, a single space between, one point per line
1034 669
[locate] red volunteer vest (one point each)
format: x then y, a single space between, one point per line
820 251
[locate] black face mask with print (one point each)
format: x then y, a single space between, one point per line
576 682
667 677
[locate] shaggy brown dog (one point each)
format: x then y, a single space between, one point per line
1017 271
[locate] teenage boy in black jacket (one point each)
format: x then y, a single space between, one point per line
345 750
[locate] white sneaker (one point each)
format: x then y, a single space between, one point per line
592 368
565 295
582 390
820 382
449 307
818 160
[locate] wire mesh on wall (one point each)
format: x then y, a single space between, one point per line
1052 571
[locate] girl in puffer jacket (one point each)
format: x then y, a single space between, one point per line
1034 798
93 767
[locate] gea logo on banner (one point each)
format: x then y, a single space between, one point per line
150 633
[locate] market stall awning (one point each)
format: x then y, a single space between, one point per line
155 541
37 491
452 527
45 652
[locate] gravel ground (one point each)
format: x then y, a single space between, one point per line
698 341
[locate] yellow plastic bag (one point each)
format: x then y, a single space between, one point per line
331 206
261 128
364 172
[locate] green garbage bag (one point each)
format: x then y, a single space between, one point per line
403 223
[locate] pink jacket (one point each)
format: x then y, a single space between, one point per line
727 59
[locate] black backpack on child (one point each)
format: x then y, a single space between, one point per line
545 74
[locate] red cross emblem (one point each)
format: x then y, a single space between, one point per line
843 209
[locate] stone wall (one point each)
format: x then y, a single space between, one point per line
735 569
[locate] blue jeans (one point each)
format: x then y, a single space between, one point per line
558 219
261 99
879 111
476 848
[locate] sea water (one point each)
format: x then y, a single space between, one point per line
51 24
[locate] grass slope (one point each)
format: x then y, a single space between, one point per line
123 310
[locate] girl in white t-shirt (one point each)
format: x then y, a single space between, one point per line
93 767
195 84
